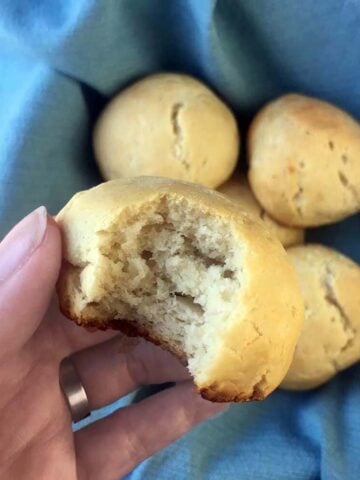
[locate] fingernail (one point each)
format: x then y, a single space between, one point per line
21 242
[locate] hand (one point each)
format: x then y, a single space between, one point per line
36 438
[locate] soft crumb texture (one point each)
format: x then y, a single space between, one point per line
167 125
180 265
330 339
239 191
304 161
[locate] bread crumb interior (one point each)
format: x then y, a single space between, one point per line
171 270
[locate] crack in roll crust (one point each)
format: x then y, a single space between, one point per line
196 136
330 339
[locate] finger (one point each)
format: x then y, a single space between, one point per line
118 366
111 447
29 265
70 337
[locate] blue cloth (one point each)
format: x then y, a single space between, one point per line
61 60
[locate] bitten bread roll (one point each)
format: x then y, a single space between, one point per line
330 338
181 266
239 191
167 125
304 161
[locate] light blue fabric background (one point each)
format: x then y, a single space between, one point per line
59 63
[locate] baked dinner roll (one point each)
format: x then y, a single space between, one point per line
168 125
304 157
330 338
239 191
183 267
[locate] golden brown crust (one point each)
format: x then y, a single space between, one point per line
129 329
291 143
239 191
330 338
196 136
257 344
124 326
212 394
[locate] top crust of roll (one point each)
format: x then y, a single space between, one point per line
259 339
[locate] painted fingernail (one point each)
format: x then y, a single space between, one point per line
21 242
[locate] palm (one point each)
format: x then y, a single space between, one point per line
46 426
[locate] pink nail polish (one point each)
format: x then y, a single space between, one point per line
21 242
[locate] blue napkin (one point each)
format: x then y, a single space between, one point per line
59 64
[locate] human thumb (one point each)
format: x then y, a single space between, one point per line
30 257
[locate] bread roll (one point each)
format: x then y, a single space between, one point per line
304 161
239 191
183 267
168 125
330 338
